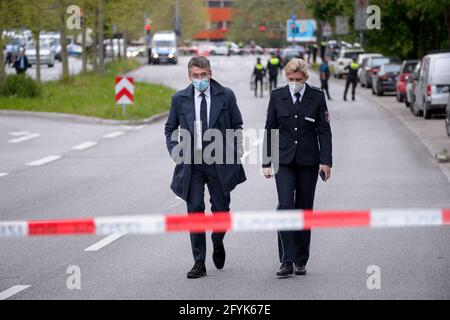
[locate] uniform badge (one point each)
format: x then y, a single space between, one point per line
327 116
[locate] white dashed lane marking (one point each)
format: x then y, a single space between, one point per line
3 174
12 291
43 161
85 146
114 134
107 241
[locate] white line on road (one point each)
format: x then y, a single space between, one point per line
85 146
114 134
12 291
43 161
26 137
3 174
103 243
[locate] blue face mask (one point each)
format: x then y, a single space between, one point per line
201 85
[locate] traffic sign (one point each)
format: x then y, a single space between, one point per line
124 91
327 31
342 27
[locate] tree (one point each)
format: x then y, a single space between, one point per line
9 17
272 14
37 17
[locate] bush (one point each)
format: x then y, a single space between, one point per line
20 86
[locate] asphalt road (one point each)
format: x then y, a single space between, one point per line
379 163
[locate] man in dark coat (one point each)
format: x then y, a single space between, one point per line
199 112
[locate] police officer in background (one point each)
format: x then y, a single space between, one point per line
273 66
325 76
299 113
352 78
259 73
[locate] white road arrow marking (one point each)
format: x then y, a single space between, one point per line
23 136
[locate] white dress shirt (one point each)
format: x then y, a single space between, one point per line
198 104
294 98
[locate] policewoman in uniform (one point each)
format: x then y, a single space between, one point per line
299 112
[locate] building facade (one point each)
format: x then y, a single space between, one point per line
220 17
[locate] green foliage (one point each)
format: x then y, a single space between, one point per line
93 95
20 86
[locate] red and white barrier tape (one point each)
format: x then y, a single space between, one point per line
238 221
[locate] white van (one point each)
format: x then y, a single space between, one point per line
433 85
164 47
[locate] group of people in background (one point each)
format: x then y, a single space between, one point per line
260 72
274 67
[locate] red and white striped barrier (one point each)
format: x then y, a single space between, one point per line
238 221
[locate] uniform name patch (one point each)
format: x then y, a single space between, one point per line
310 119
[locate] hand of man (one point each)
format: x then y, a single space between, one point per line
268 173
327 171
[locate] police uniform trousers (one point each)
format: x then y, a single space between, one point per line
296 186
205 174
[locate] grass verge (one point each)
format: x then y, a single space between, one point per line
93 95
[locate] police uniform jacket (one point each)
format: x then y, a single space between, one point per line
304 130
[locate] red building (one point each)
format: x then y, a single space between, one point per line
220 16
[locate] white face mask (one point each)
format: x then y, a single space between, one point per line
296 87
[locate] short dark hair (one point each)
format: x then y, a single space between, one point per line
199 62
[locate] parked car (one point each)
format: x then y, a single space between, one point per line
384 80
433 86
46 55
405 72
361 58
447 117
372 66
290 53
410 85
346 56
220 49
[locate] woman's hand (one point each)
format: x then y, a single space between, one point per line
268 173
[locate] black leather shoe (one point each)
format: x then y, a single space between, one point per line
286 270
219 256
198 271
300 270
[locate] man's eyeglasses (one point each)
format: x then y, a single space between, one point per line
201 76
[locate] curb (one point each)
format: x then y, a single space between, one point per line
82 119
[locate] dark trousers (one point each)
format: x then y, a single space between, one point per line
273 79
324 87
353 82
260 80
296 187
205 174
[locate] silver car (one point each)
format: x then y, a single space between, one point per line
432 89
46 55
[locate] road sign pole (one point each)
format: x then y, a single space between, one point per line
124 110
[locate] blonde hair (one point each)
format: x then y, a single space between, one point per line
297 65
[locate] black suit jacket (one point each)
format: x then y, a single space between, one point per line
224 114
304 132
